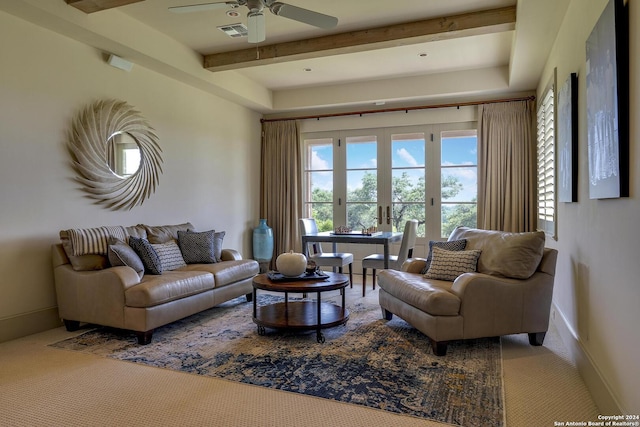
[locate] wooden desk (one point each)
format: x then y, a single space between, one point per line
380 238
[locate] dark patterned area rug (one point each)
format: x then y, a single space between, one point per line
368 361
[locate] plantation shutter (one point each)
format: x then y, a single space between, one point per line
546 163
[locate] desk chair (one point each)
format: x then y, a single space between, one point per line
324 259
376 261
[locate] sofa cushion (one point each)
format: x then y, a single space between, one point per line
147 254
430 296
164 233
227 272
169 254
448 265
171 286
454 245
121 254
513 255
197 247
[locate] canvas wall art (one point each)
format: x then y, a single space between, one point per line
608 103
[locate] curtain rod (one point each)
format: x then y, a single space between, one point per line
405 109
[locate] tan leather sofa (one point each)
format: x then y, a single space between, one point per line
90 290
510 292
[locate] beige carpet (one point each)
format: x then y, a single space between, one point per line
369 361
42 386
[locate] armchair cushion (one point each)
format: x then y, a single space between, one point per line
430 296
514 255
448 265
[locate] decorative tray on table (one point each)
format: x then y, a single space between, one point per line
279 277
347 231
356 233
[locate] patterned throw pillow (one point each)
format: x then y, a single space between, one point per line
120 253
197 247
453 245
169 254
448 265
147 254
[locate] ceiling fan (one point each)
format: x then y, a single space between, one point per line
255 16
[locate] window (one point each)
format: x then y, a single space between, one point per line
458 180
362 181
383 177
408 185
319 182
546 162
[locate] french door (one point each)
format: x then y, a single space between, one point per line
383 177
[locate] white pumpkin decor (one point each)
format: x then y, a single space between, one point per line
291 264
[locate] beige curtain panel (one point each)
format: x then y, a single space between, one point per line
281 183
507 166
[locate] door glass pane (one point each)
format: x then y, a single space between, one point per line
362 181
408 180
319 182
459 184
458 180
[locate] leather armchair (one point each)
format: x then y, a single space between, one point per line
478 304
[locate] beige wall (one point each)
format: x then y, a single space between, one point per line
210 146
597 289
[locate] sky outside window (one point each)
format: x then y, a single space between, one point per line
461 151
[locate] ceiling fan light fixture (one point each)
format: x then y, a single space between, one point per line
255 25
255 17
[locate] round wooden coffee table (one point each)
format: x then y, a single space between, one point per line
300 315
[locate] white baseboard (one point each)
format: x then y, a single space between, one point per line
29 323
593 378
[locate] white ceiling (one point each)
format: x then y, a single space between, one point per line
489 65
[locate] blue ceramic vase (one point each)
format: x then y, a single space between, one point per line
262 242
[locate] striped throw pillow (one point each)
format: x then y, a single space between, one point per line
169 254
451 245
86 241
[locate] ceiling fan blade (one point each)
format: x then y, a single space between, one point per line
202 7
255 27
307 16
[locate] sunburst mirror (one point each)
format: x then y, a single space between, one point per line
115 153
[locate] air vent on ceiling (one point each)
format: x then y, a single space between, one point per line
234 30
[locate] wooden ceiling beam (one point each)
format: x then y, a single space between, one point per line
90 6
448 27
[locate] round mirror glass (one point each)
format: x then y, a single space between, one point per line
123 154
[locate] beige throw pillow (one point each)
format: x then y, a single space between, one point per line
448 265
169 254
514 255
